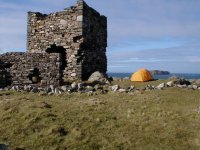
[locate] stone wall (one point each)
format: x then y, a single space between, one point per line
95 42
70 44
79 33
8 59
33 68
62 29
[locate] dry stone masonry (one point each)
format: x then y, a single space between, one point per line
66 45
37 68
79 33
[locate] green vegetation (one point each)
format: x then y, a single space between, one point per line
154 120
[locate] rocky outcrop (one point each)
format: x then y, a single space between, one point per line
98 77
98 88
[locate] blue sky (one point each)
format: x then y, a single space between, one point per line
155 34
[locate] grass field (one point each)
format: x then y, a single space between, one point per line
154 120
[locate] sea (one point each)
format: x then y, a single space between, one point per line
181 75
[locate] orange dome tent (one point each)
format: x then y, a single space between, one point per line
142 75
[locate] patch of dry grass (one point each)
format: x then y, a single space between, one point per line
150 120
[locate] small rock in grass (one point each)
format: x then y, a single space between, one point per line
58 91
98 120
64 88
35 90
90 93
122 90
190 86
195 87
98 87
52 88
161 86
170 83
131 88
182 81
115 88
50 93
80 86
98 77
198 110
74 86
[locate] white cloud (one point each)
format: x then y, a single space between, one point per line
147 60
185 58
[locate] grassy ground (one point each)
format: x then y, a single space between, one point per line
127 83
154 120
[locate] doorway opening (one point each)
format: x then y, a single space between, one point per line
62 51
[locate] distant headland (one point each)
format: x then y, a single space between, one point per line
159 72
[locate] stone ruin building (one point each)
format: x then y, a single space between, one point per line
66 45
